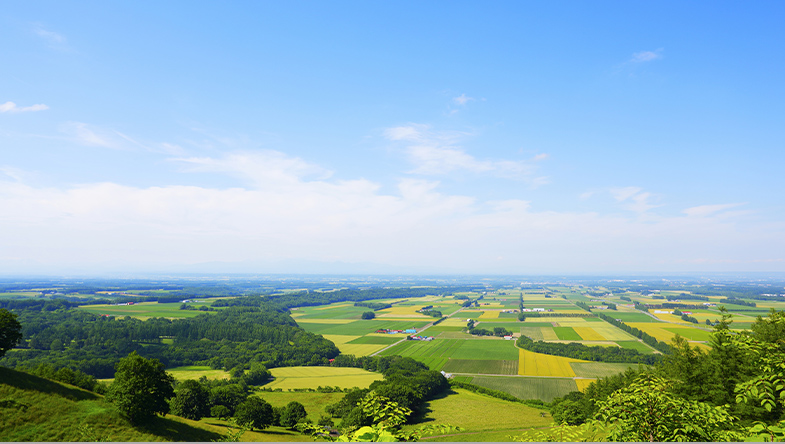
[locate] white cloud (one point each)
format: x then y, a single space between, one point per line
265 168
462 100
53 39
646 56
10 107
89 135
435 153
295 210
707 210
635 199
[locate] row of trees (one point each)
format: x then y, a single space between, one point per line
645 337
588 353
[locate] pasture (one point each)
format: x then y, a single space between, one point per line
195 372
145 310
599 369
471 410
544 389
313 377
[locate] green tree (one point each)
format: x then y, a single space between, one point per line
257 375
141 388
647 410
292 414
254 412
368 315
220 412
10 331
191 400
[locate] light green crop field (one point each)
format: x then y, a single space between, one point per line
486 349
631 317
360 328
145 310
477 366
599 369
470 411
528 388
196 372
567 334
636 345
313 377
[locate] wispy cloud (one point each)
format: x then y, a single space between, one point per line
90 135
53 39
634 198
262 169
708 210
462 100
437 153
646 56
11 107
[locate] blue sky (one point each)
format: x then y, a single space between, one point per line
468 137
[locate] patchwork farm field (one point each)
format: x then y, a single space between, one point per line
313 377
665 332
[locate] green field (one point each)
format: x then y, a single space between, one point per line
313 377
144 310
196 372
567 334
636 345
384 340
599 369
471 411
360 328
488 367
631 317
528 388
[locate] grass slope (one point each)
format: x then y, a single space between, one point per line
482 417
37 409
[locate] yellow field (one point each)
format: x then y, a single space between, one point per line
196 372
330 307
588 334
489 315
340 339
583 383
359 349
656 330
611 333
571 322
537 364
455 321
548 334
312 377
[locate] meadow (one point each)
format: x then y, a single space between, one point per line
313 377
145 310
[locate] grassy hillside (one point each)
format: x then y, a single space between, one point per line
37 409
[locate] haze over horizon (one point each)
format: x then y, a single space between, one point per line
446 137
